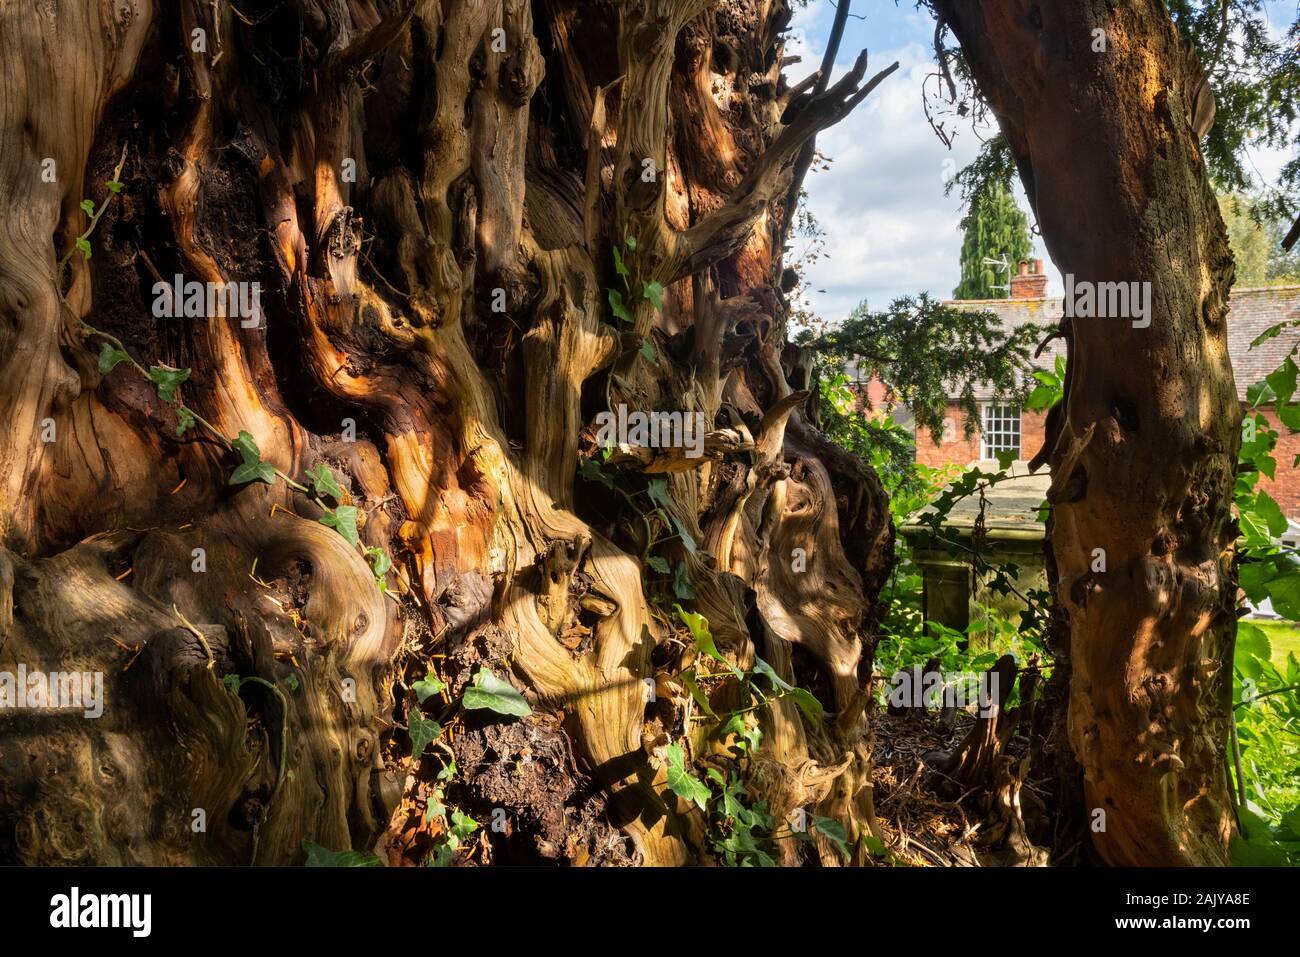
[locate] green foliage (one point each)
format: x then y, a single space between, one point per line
110 358
809 705
657 490
741 830
1249 240
422 730
878 440
426 687
682 783
1050 389
994 228
617 306
655 293
490 692
1266 693
698 626
1255 77
318 856
833 830
324 483
167 380
184 420
650 290
343 519
910 641
683 588
926 351
456 826
1253 74
380 564
252 468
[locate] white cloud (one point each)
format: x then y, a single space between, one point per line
890 230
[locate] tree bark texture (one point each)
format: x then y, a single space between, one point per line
1144 444
450 300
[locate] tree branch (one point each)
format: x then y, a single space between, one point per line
725 230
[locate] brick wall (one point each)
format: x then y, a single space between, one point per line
1284 487
955 447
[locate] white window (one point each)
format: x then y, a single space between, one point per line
999 430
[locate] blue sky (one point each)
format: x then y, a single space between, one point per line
890 231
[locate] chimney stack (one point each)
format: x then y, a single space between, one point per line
1030 283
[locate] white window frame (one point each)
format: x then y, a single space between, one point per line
1000 423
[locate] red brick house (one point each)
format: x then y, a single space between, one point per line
1006 426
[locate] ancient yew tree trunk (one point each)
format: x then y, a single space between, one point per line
1102 106
430 196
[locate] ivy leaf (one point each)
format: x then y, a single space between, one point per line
655 293
619 266
252 472
750 738
426 687
344 521
380 563
322 480
83 244
647 350
682 782
167 379
318 856
114 186
490 692
291 682
630 242
657 489
659 564
807 702
698 626
688 679
184 420
88 206
424 731
616 304
833 831
1006 458
232 683
253 468
462 825
243 444
683 588
110 358
592 472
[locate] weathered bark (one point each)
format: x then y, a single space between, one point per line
498 151
1143 456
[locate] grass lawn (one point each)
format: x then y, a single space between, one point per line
1283 637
